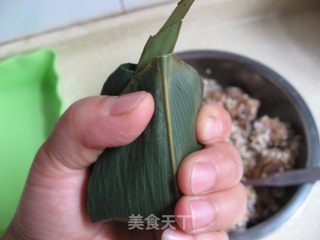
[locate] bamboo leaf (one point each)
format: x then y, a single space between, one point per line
119 79
165 40
140 178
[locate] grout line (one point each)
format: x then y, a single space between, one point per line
84 22
62 28
122 6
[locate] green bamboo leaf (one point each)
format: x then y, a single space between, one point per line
119 79
140 178
165 40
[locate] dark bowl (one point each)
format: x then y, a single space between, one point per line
278 99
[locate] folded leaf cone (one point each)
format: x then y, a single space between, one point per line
140 178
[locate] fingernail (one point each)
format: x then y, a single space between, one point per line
125 103
203 177
171 234
213 128
202 212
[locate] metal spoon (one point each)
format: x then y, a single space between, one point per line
288 178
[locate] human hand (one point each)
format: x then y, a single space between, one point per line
53 204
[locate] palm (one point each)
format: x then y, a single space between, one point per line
62 203
53 205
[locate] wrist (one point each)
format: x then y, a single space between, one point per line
8 235
11 233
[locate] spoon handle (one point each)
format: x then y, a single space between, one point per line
289 178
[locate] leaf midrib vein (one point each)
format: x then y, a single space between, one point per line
165 92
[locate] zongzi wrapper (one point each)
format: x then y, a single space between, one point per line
140 178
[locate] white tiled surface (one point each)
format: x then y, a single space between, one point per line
134 4
283 34
23 18
20 18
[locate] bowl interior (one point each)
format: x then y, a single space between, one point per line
278 99
231 70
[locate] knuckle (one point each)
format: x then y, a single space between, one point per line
242 196
228 162
73 120
225 236
234 157
236 200
242 191
221 235
118 132
70 116
216 107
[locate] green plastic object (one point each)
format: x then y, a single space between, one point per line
29 109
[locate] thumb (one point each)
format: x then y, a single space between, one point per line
93 124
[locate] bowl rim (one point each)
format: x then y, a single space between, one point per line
309 127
